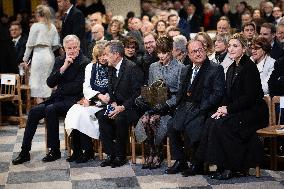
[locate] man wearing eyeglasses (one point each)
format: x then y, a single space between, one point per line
201 90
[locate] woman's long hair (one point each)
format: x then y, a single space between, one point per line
44 11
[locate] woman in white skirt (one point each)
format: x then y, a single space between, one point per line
43 40
80 122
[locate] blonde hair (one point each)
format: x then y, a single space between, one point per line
44 11
98 50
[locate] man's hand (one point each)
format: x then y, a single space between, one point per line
68 61
105 98
116 111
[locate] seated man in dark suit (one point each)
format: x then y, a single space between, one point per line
125 81
68 77
19 41
202 86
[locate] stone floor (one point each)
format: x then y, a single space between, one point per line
63 175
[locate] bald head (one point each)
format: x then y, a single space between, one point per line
223 27
98 32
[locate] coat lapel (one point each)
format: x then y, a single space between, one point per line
120 73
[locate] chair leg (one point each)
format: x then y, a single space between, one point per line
100 150
257 171
46 147
28 103
168 152
133 153
143 152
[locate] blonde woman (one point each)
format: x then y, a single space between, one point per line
207 43
43 39
80 120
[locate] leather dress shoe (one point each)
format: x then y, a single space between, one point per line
22 157
179 166
194 169
108 161
118 162
74 156
225 175
52 156
86 156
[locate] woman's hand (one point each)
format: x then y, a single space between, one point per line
221 112
84 102
105 98
25 65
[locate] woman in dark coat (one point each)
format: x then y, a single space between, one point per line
231 142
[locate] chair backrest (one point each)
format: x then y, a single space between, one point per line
268 102
275 101
24 77
10 84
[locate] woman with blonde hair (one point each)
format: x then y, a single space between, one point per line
207 43
241 113
42 41
80 122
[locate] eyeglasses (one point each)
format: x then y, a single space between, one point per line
255 48
195 51
129 47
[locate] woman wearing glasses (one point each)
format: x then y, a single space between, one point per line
260 49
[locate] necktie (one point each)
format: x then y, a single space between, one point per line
64 17
194 73
14 41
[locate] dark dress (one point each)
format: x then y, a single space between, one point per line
231 141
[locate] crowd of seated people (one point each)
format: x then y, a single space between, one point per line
217 67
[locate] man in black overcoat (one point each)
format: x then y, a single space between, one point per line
67 76
201 90
125 81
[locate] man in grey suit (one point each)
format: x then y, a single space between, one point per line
202 86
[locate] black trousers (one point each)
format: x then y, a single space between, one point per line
178 141
80 141
51 110
114 132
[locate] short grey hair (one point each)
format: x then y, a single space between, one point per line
116 46
180 42
224 37
69 38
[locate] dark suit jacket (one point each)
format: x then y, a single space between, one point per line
74 23
276 50
70 83
195 101
126 87
244 98
276 80
20 48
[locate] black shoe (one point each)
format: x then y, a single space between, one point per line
108 161
225 175
52 156
74 156
118 162
22 157
194 169
179 166
86 156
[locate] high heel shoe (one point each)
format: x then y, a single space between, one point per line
148 162
157 161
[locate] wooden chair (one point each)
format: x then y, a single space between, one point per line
133 148
25 88
271 133
10 91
